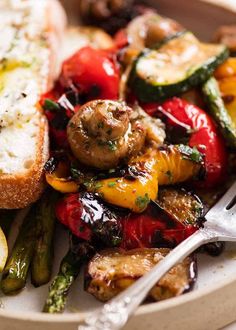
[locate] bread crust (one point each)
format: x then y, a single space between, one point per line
23 188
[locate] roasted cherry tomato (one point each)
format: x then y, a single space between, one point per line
202 133
94 72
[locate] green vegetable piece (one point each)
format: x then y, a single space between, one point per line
173 69
41 268
218 111
142 201
190 153
68 272
51 105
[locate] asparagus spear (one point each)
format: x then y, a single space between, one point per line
15 272
68 272
41 267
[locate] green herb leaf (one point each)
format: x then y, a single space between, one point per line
142 201
191 153
112 145
111 184
51 105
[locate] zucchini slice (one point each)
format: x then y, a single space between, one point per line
218 111
178 65
112 271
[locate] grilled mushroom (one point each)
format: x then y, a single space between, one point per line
101 134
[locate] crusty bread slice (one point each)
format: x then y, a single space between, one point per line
28 65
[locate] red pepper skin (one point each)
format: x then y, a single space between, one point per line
152 228
204 136
121 39
94 71
69 212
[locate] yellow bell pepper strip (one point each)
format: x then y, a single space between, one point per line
226 76
228 90
135 194
59 180
226 69
168 165
174 166
157 166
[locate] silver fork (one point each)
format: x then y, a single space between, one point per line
220 226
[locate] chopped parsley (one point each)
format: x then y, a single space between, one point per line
98 185
112 145
142 201
190 153
76 174
170 175
111 184
51 105
100 124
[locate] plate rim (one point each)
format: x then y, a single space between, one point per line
144 309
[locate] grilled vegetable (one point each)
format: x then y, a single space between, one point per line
58 176
182 205
112 271
94 71
133 186
219 112
174 68
163 166
68 272
165 223
41 268
87 215
187 121
16 270
226 76
102 134
147 30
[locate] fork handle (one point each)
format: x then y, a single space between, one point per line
114 314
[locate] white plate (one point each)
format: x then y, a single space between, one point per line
212 303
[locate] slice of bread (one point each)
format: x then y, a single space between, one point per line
29 62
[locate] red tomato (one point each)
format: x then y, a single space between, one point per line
94 72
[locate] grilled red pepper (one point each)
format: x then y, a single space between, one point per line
69 211
202 132
94 72
86 216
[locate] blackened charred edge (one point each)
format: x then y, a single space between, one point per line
193 273
51 165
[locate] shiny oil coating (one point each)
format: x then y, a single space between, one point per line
112 271
167 166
